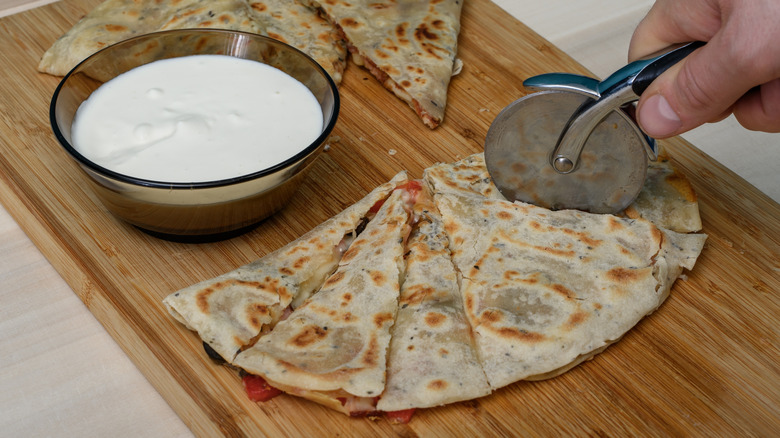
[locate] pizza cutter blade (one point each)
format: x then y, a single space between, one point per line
575 143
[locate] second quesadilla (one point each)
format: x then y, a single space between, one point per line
115 20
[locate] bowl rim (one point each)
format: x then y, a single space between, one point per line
168 185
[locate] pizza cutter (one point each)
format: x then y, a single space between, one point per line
575 143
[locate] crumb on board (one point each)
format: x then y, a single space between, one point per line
392 152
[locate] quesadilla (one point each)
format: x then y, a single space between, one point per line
332 349
448 293
545 290
408 45
432 359
115 20
230 311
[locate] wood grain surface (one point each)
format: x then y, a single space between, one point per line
704 364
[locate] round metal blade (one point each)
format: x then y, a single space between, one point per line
522 138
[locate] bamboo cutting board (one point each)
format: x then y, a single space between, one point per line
705 364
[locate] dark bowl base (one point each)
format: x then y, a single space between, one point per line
200 238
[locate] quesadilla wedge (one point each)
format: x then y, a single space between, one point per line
432 359
215 14
230 311
332 349
667 198
115 20
293 23
545 290
408 45
468 176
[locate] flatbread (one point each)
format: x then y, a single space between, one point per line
410 46
468 176
432 359
110 22
290 22
484 293
115 20
667 198
546 290
228 312
334 346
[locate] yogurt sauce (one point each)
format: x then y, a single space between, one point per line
196 118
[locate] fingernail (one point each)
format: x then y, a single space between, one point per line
657 117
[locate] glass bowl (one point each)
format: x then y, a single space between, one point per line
198 211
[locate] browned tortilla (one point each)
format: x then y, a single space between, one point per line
409 45
484 293
546 289
432 359
115 20
338 339
231 310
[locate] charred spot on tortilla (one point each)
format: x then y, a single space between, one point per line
308 335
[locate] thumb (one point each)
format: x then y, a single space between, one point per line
699 89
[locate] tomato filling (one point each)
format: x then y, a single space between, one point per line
258 389
413 187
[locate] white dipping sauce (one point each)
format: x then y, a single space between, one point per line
197 118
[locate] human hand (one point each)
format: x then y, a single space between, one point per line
737 71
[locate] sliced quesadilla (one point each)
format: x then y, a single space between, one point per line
115 20
332 349
408 45
230 311
545 290
432 359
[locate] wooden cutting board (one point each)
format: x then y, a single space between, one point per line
705 364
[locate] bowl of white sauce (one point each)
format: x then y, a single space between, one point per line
196 134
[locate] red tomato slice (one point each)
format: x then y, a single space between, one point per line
400 417
258 389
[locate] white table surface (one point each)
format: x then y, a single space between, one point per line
62 375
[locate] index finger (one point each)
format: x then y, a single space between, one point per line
672 21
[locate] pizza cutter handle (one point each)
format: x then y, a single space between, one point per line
619 89
658 64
